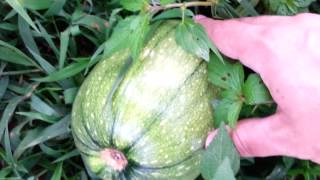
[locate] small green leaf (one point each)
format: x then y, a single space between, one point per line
173 13
220 154
64 73
227 110
130 32
226 75
193 38
164 2
139 28
255 91
131 5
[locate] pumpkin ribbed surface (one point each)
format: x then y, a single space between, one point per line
158 116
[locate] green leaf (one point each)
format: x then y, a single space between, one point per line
64 42
39 116
39 135
139 27
164 2
119 38
70 154
57 172
173 13
224 171
28 40
8 26
226 75
4 81
220 154
255 91
193 38
42 107
131 5
18 7
228 111
64 73
11 54
70 94
130 32
8 112
36 4
55 8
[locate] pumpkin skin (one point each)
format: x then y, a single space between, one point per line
158 116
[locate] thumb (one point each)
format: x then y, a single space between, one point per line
237 39
263 137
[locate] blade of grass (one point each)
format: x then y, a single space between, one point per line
39 135
4 84
66 72
57 172
13 55
64 42
17 6
68 155
28 40
42 107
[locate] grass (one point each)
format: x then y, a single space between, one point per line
46 50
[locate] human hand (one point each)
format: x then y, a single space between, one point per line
285 52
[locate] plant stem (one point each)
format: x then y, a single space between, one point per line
186 4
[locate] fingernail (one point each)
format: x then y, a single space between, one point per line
199 17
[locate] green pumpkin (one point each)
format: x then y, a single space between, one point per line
154 124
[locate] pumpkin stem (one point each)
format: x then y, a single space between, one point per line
114 158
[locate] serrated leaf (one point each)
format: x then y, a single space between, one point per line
119 37
228 111
226 75
220 149
131 5
130 32
193 38
255 91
